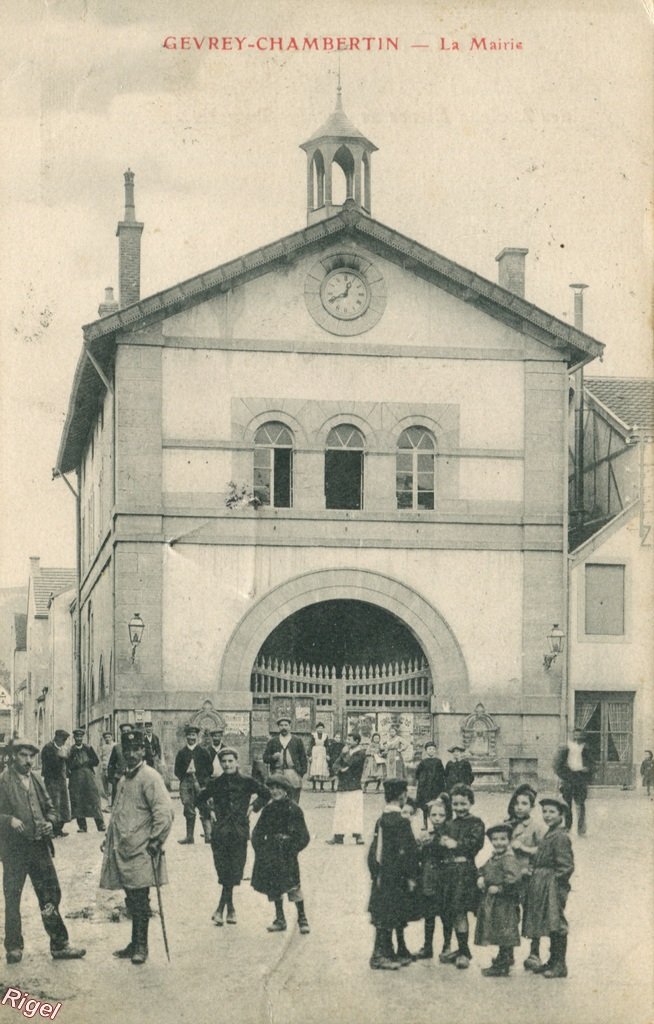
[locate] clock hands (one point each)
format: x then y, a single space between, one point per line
343 295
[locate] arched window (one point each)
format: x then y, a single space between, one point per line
273 465
414 470
344 467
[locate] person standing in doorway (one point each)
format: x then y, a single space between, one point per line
84 792
133 850
193 769
55 776
348 811
286 754
574 766
106 750
152 747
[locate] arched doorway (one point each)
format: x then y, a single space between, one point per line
429 629
349 664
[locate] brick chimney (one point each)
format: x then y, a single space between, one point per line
128 233
511 270
109 304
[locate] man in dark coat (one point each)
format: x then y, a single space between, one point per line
152 746
84 793
393 866
458 771
227 800
278 837
193 769
55 776
27 817
574 765
285 754
430 778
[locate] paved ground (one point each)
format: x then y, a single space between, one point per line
246 976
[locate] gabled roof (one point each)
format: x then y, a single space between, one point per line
20 631
350 223
48 583
629 399
583 546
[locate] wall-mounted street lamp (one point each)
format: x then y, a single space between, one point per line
556 639
135 627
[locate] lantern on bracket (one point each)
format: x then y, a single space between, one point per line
135 627
555 639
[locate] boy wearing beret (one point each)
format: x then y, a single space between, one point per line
498 915
549 885
278 837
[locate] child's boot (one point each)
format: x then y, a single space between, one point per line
427 951
533 960
279 924
558 968
303 924
382 954
463 954
500 965
403 956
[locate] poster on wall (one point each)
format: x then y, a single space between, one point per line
366 724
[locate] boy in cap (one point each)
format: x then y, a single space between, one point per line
430 778
285 754
133 850
193 769
55 776
27 817
227 799
498 915
152 746
458 771
549 885
278 837
84 793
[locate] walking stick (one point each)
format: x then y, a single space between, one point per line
159 901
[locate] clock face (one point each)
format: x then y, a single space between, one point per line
345 294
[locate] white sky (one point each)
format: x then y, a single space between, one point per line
548 148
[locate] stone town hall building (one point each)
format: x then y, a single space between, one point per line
393 547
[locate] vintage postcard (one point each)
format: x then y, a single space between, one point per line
327 512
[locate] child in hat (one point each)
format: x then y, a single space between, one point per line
463 838
549 885
432 856
393 866
526 837
458 771
278 837
498 916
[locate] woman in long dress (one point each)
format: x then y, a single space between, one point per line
395 747
374 764
319 765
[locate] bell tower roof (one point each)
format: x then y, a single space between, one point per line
337 125
337 144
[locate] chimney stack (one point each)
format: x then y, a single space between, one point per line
128 233
109 304
579 305
511 270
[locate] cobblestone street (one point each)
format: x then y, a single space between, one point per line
246 975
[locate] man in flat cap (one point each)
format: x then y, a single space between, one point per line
27 817
55 776
133 850
117 765
286 754
84 793
214 750
193 769
227 799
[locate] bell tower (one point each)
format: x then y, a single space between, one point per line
338 166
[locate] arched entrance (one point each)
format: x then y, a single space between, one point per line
427 638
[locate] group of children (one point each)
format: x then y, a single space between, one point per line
432 873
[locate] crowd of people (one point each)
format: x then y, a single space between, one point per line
423 858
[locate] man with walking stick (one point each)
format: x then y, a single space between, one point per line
133 850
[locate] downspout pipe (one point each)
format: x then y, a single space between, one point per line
57 475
